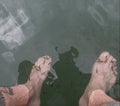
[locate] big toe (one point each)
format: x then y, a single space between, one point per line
104 56
44 60
47 59
43 65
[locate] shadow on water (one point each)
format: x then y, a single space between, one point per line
24 70
69 86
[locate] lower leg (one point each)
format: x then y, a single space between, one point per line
29 94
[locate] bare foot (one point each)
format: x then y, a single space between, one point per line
104 71
103 77
38 75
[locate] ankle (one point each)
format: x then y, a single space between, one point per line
30 87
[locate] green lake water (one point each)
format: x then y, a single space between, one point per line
72 32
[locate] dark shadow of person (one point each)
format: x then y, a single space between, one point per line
71 80
24 70
69 86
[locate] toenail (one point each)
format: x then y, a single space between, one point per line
105 52
46 57
36 67
98 60
106 58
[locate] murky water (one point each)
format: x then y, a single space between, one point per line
72 32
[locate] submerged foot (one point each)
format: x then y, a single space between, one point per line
38 75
